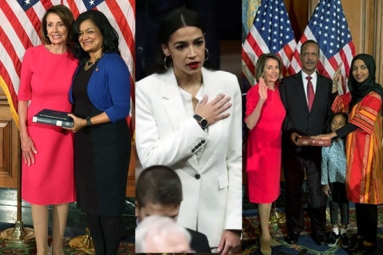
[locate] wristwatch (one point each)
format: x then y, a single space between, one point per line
201 121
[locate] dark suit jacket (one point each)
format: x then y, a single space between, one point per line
199 242
298 118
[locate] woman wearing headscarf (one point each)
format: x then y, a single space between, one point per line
364 177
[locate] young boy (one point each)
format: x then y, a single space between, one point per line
159 192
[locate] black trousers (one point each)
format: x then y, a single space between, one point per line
106 233
367 221
338 201
295 166
344 215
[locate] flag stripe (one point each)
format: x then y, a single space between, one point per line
271 33
20 29
328 26
14 22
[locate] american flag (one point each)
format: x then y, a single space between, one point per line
20 22
271 32
20 29
328 26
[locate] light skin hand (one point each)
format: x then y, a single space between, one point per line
337 78
326 190
337 75
79 123
28 149
294 138
230 242
214 110
262 90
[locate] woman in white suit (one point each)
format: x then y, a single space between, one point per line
189 118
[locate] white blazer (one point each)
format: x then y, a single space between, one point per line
166 135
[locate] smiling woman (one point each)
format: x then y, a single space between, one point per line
100 94
47 169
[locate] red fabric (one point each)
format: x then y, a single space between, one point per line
264 147
364 176
45 80
310 92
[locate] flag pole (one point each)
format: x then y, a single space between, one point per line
18 234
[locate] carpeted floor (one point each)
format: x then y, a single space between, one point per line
30 248
305 244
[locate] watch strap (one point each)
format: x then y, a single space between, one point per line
88 122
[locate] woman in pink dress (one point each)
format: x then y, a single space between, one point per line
264 117
47 151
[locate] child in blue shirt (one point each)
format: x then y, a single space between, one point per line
333 181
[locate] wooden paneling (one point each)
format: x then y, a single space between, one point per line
299 15
9 146
378 45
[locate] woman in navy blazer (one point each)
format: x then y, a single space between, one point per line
100 94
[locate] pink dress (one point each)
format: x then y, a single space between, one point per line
264 147
45 81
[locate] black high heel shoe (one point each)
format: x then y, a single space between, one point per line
355 242
365 249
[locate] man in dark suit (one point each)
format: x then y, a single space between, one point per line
159 192
307 98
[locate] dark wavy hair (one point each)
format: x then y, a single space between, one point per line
66 17
158 185
108 33
175 20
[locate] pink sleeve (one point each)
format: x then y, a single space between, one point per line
252 98
25 92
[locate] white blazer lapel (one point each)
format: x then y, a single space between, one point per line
211 89
174 106
172 100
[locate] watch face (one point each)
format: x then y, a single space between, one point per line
204 123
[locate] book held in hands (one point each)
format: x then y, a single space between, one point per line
310 141
53 117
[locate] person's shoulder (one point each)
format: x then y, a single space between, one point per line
227 82
149 79
114 61
253 89
149 83
36 49
372 96
291 78
220 74
112 57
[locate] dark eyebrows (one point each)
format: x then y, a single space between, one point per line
183 42
89 28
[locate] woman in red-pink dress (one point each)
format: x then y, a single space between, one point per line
47 151
264 116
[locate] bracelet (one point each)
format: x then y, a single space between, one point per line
88 122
